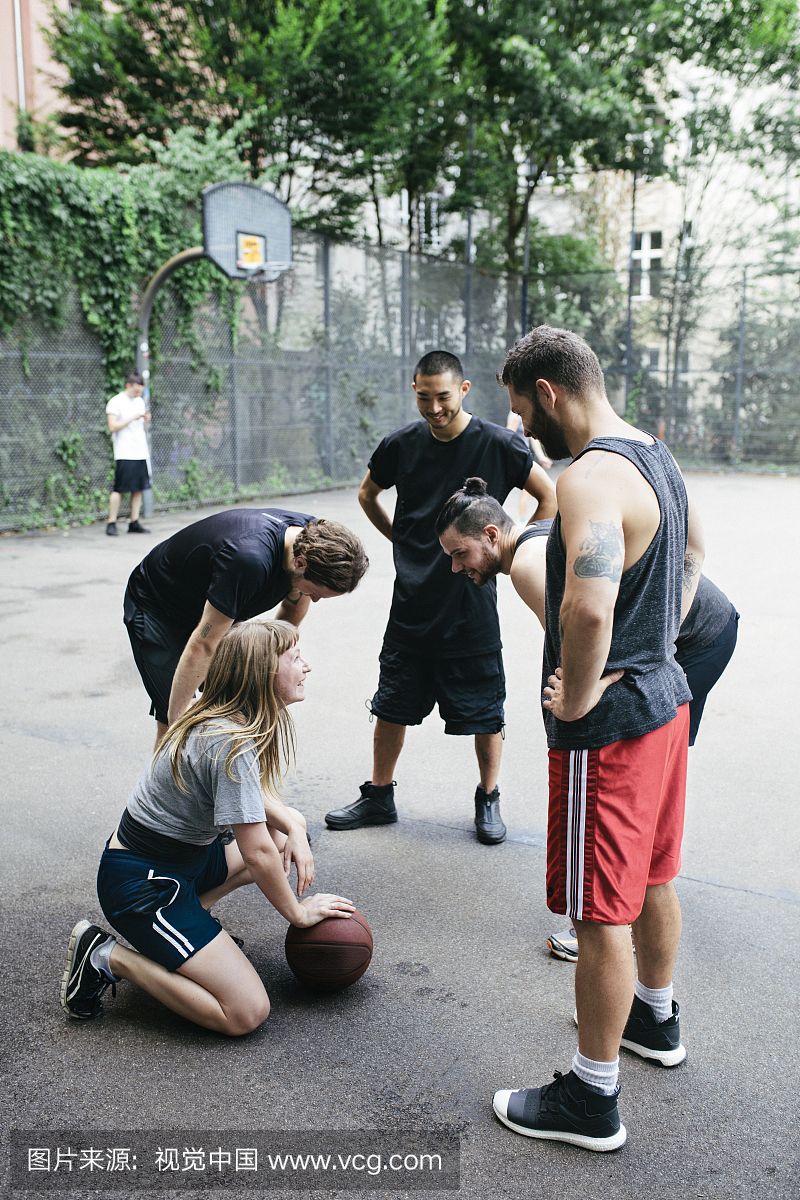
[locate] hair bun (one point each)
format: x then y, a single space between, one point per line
475 487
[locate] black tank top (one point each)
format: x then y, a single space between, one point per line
539 529
647 616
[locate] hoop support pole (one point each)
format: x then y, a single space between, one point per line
148 299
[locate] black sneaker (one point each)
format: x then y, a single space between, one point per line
372 809
135 527
563 1111
111 529
645 1036
564 945
488 823
83 985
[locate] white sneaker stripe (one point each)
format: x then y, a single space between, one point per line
77 974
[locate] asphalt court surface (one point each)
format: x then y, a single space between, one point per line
462 996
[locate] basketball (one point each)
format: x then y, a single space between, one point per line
331 955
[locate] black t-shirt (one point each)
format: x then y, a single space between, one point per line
434 610
233 560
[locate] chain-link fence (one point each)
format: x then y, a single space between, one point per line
291 386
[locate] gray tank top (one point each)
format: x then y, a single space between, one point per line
705 620
647 616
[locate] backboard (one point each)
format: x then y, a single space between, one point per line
246 231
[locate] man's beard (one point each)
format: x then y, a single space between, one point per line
488 570
548 432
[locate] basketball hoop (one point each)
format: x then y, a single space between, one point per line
247 232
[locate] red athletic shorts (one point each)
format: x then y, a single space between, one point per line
615 823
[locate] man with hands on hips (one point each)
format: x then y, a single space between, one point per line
623 561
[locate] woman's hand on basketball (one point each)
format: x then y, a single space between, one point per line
316 908
298 851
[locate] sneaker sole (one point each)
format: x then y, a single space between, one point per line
601 1145
75 937
361 824
489 841
561 951
667 1058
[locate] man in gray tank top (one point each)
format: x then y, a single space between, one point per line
623 559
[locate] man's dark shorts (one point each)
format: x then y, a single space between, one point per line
157 646
131 475
469 691
704 667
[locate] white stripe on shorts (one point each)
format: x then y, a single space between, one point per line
576 832
161 920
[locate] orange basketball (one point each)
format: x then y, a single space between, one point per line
331 955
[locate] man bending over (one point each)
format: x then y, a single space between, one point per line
229 567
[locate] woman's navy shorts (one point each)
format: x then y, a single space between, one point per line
153 903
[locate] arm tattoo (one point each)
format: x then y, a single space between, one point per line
690 569
288 598
602 553
206 630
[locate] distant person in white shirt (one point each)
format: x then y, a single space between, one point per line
128 418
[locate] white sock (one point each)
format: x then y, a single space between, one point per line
659 999
601 1076
100 959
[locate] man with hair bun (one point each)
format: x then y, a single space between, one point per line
442 642
482 541
232 566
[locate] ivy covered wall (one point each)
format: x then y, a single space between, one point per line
102 233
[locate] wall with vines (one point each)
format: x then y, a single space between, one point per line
77 248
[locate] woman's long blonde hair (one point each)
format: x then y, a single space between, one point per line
239 696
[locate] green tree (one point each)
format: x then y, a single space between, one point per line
551 85
353 99
343 97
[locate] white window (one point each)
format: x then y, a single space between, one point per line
646 276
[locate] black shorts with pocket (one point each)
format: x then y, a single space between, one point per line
469 691
157 646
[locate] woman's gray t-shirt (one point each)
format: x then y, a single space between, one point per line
212 800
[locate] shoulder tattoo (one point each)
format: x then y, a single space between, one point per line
601 554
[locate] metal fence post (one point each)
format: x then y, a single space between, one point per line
326 284
234 401
468 256
629 321
405 331
739 370
468 294
526 260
